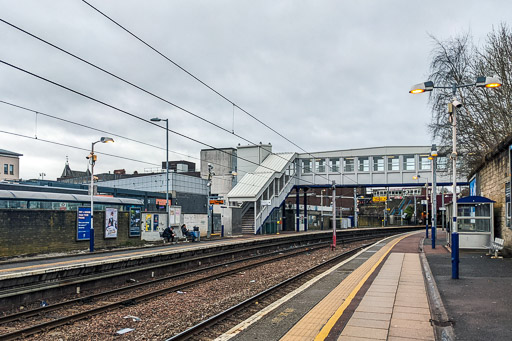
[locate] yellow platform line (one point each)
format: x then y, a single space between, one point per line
315 319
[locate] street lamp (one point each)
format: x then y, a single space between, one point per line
92 158
433 157
487 82
156 119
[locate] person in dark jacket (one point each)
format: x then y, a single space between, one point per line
186 233
169 234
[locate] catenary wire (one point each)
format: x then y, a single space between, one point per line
130 114
208 86
113 134
135 86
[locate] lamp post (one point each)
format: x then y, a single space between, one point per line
481 82
92 158
210 206
433 157
156 119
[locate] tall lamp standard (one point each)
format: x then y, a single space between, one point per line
156 119
433 157
92 158
481 82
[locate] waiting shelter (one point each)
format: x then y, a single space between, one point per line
475 222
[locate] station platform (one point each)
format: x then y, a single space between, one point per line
399 289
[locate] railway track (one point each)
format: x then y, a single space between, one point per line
65 312
223 321
46 318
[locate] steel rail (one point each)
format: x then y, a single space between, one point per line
192 331
132 300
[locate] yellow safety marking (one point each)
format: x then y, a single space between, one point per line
332 321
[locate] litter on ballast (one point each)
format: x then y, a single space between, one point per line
134 318
124 331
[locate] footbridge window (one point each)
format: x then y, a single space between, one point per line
334 165
348 164
425 162
409 163
320 165
393 163
364 164
378 164
306 166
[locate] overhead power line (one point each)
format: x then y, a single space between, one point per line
205 84
132 115
134 85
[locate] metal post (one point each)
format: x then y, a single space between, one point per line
91 232
415 213
333 245
455 255
434 202
386 207
167 172
322 209
355 207
442 204
305 210
455 234
297 209
426 206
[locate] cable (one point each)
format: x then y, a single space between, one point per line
109 133
132 84
130 114
206 85
75 147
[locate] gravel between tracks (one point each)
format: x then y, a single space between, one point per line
172 313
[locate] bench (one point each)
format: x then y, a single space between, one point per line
495 247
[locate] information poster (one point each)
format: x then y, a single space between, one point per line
147 224
155 222
134 222
110 222
84 223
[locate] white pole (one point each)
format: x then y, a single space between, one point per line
454 165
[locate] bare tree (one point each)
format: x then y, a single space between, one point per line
485 118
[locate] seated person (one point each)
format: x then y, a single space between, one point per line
169 234
187 233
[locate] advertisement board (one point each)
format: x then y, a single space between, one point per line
110 222
134 222
83 231
155 222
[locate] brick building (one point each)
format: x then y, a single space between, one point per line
492 179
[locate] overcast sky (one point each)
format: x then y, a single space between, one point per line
327 75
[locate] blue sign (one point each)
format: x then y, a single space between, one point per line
84 223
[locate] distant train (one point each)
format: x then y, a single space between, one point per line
396 193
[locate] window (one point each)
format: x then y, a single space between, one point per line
442 163
425 162
393 163
334 165
320 165
11 169
306 166
409 162
6 169
348 164
378 164
363 164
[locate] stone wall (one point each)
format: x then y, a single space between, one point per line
28 232
492 179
